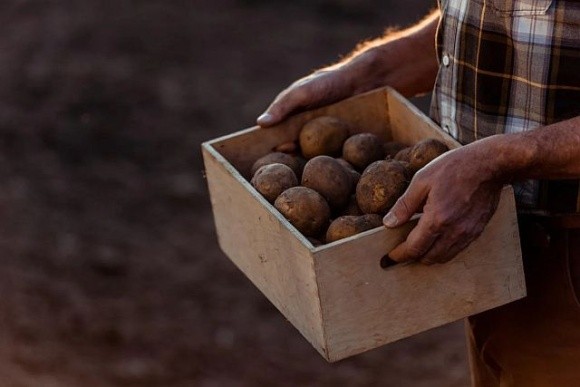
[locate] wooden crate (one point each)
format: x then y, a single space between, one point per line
337 295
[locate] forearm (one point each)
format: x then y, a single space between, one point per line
405 60
459 191
550 152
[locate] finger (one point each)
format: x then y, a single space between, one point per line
455 240
444 251
285 103
409 203
418 243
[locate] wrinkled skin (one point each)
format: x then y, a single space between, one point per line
406 61
457 201
459 191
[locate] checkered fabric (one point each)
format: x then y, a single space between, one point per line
507 66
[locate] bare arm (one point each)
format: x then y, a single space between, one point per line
459 191
405 60
551 152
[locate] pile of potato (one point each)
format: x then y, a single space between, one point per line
332 184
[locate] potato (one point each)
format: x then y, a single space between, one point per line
273 179
380 185
329 178
425 151
346 226
345 164
354 175
323 136
281 158
391 148
315 242
362 149
287 147
352 207
403 155
305 208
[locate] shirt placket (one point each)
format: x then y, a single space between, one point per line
455 14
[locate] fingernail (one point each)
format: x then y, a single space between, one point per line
265 118
390 220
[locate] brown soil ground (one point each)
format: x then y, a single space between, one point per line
110 271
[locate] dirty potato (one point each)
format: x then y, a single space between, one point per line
273 179
362 149
352 207
391 148
354 175
305 208
346 226
423 152
278 157
290 147
326 176
323 136
315 242
403 155
380 185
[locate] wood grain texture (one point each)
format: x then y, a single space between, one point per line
409 125
364 306
364 113
265 247
337 295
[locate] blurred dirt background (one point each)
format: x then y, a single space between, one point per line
110 272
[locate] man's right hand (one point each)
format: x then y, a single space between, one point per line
404 60
320 88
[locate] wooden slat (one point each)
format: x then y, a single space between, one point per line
409 125
365 113
271 253
364 306
337 295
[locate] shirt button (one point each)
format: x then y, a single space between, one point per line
445 60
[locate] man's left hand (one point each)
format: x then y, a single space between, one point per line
457 195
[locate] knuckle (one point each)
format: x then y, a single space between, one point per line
444 258
419 176
467 232
440 222
414 251
298 96
402 205
446 218
421 179
460 231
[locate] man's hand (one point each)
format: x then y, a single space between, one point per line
457 194
320 88
460 189
405 60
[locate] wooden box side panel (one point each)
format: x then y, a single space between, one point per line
364 306
365 113
264 247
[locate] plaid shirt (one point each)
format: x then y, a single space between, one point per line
507 66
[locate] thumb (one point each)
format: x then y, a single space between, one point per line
405 207
271 116
286 102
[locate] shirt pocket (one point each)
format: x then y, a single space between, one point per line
521 7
